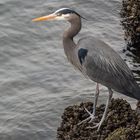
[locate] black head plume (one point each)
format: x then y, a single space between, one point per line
67 11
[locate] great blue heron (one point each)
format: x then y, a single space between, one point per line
96 60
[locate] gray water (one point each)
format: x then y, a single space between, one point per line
36 80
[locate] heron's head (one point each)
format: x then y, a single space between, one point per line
61 14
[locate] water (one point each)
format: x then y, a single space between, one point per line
36 80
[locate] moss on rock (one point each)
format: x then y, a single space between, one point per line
121 134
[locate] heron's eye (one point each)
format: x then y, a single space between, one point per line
59 14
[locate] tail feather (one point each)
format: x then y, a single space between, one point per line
137 93
132 91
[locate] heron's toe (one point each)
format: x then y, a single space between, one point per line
91 116
97 125
89 119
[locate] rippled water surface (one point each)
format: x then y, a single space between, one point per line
36 80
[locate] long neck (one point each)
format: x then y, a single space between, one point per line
71 32
68 43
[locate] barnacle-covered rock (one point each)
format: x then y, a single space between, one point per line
130 14
120 115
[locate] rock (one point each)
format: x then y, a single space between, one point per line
130 14
121 134
121 119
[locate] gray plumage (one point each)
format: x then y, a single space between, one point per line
96 60
103 65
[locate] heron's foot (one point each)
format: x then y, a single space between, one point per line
98 126
89 119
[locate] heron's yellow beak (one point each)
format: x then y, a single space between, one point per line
45 18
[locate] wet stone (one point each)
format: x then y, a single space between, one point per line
130 14
120 121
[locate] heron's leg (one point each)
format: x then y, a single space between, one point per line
105 112
96 99
95 102
92 115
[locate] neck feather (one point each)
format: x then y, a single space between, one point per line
73 30
68 43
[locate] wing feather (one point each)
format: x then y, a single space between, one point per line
103 65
